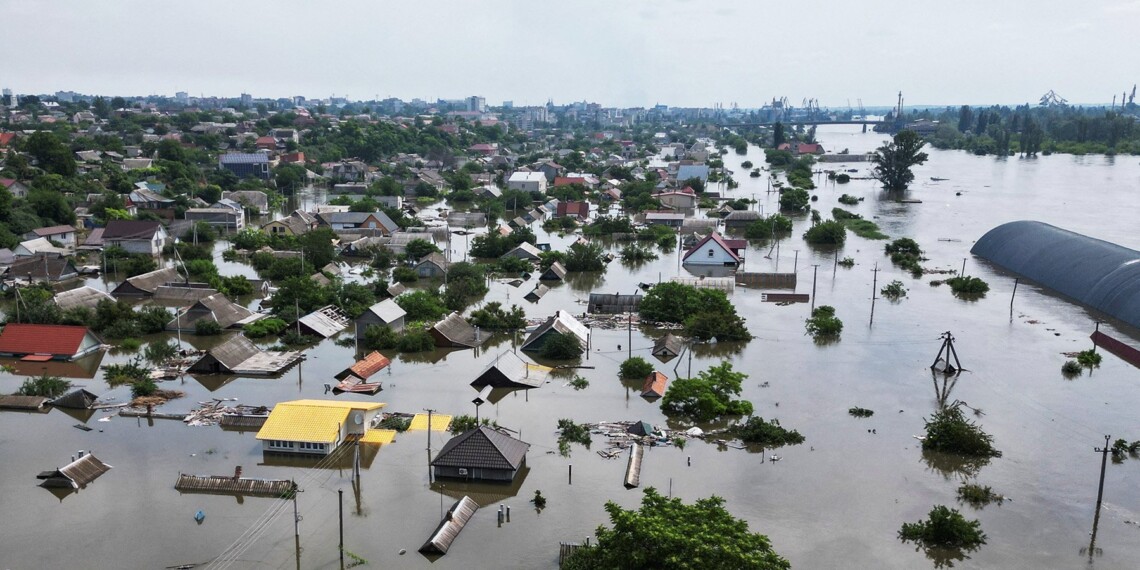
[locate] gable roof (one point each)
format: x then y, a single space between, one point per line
459 332
556 272
78 399
510 371
580 209
654 386
562 323
524 250
76 474
53 231
387 311
314 421
326 321
42 266
482 448
243 158
151 281
82 297
130 229
366 367
216 308
716 239
437 259
57 340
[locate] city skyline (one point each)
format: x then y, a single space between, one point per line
634 54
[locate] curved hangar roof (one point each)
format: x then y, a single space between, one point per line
1102 275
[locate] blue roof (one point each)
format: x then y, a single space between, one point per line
687 171
1102 275
243 158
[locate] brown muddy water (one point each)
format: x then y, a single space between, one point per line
836 501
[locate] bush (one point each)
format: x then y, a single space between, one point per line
294 338
44 386
847 262
894 290
765 228
767 434
968 287
826 233
265 327
494 318
848 200
944 528
636 253
464 423
860 412
570 432
512 264
823 323
404 274
636 367
949 431
206 327
416 341
584 257
130 344
152 320
562 347
380 337
421 305
906 254
708 396
840 215
706 313
1071 368
398 423
978 496
579 383
843 178
1088 358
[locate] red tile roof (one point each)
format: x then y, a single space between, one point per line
60 340
580 209
567 180
7 182
6 138
655 385
371 364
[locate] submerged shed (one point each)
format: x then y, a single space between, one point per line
537 293
75 475
561 324
17 402
510 371
481 454
215 308
237 355
654 386
146 284
326 321
448 529
667 347
556 272
1096 273
78 399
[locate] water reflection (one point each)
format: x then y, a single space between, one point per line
944 557
585 281
485 493
952 466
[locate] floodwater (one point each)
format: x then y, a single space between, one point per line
836 501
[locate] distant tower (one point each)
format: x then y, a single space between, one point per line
9 98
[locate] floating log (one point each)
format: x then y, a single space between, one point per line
226 485
132 413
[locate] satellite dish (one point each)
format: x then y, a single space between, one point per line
358 418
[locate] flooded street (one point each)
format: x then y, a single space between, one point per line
836 501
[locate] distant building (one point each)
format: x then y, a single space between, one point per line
715 250
561 323
386 313
47 342
528 182
15 187
222 218
245 165
374 222
147 237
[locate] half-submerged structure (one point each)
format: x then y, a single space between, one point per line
448 529
75 475
237 355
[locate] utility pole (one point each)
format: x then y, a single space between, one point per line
796 261
296 517
835 265
629 343
814 272
963 273
340 496
1103 462
1011 297
874 290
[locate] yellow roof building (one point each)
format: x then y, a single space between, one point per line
313 421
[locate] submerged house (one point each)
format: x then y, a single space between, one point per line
525 250
448 529
88 297
454 331
146 284
510 371
433 266
42 268
316 427
667 347
556 272
386 313
481 454
715 250
215 308
654 386
47 342
75 475
561 324
237 355
364 368
325 322
613 303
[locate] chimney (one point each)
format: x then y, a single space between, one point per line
237 472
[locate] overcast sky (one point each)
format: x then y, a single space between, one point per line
614 52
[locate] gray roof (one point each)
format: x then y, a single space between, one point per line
216 308
510 371
437 259
449 527
356 218
184 294
1102 275
742 216
130 229
687 171
243 158
524 250
556 272
482 448
387 311
234 351
78 399
76 474
537 293
606 303
43 266
562 323
82 297
459 332
326 321
396 288
150 282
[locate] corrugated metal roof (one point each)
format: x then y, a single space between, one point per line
243 158
150 282
216 308
450 526
130 229
458 332
482 448
436 259
524 250
537 293
668 346
58 340
76 474
184 294
42 266
326 321
313 421
379 436
439 422
612 304
234 351
1100 274
82 297
15 402
556 272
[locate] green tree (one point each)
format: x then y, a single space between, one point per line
421 305
585 257
893 161
418 248
778 136
51 154
636 367
708 396
666 533
562 347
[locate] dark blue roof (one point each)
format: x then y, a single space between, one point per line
243 158
1102 275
